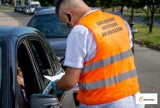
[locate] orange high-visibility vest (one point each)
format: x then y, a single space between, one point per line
111 74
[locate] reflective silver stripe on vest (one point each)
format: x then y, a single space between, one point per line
107 61
108 81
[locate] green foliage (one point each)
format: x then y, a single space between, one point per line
148 38
6 8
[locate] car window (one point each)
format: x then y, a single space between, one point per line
48 66
0 66
28 67
41 57
50 25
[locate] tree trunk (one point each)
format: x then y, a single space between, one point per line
122 9
132 12
113 9
15 3
152 21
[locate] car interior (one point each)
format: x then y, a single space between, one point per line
25 63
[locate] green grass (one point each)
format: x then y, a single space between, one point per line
143 14
148 38
6 8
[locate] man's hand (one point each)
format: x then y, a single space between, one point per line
20 78
54 87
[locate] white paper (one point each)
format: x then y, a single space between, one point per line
57 77
53 78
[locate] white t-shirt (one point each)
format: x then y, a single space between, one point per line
81 46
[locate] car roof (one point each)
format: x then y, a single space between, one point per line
6 31
50 10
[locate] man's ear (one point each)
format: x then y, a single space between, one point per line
68 15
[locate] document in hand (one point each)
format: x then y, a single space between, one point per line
53 78
57 77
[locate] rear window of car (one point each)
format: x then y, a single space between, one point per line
50 25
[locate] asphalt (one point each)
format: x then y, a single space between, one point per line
6 20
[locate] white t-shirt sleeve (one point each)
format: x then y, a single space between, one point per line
80 47
130 34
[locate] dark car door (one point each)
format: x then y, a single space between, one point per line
35 59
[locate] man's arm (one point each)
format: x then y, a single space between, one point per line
70 79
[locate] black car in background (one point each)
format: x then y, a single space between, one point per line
55 31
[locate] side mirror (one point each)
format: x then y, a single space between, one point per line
43 101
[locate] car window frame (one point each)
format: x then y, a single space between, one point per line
49 54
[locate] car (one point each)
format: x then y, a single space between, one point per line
40 8
17 8
32 8
55 31
23 9
28 49
26 10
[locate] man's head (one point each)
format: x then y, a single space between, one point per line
71 11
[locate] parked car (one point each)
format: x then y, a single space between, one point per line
17 8
32 8
55 31
40 8
27 48
23 9
26 10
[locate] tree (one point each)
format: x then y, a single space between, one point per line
133 4
152 5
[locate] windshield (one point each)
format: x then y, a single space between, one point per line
0 66
50 25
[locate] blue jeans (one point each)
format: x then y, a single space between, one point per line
127 102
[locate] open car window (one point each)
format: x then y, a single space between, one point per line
50 25
27 65
46 60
